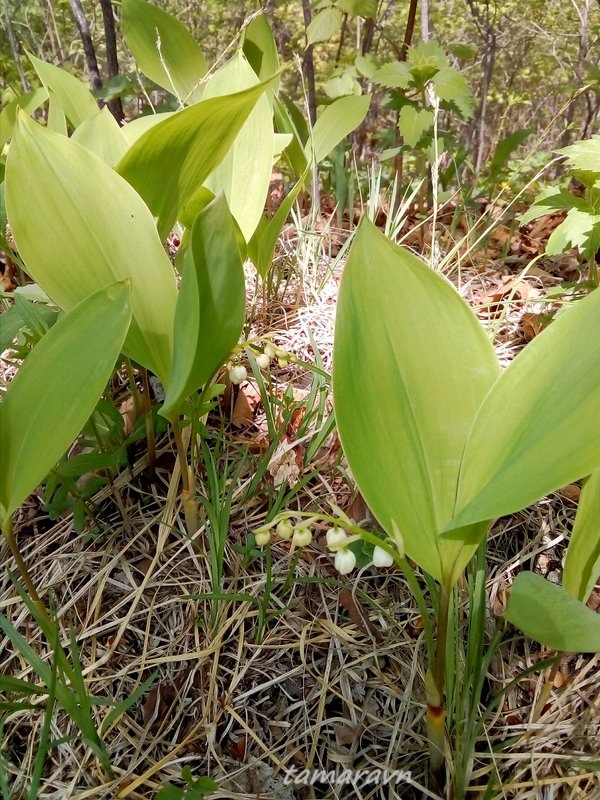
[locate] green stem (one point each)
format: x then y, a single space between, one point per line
135 392
188 495
593 272
8 531
150 438
434 690
546 690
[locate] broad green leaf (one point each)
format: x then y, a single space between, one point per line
539 427
261 248
101 135
366 65
211 305
280 142
359 8
164 49
411 366
547 614
29 102
463 51
413 123
504 149
337 121
189 212
75 98
133 130
342 85
324 25
427 55
260 49
548 201
69 368
87 229
169 162
244 174
582 563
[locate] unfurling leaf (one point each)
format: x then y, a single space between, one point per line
211 305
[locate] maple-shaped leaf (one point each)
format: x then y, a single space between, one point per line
584 155
395 75
452 87
427 54
413 123
580 229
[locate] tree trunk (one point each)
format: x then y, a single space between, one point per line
399 160
88 45
485 23
308 68
425 21
14 48
112 61
579 70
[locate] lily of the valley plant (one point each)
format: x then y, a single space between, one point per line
441 441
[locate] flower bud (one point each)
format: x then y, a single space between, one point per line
263 361
336 538
285 529
269 350
381 558
302 537
238 374
282 362
262 538
345 561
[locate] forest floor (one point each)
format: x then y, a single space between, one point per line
275 661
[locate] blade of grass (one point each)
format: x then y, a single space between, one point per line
44 744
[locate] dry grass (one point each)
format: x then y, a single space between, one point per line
308 670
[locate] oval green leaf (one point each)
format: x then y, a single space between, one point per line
87 229
546 613
244 174
168 163
164 49
211 306
69 369
74 97
102 136
411 366
337 121
539 427
260 48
